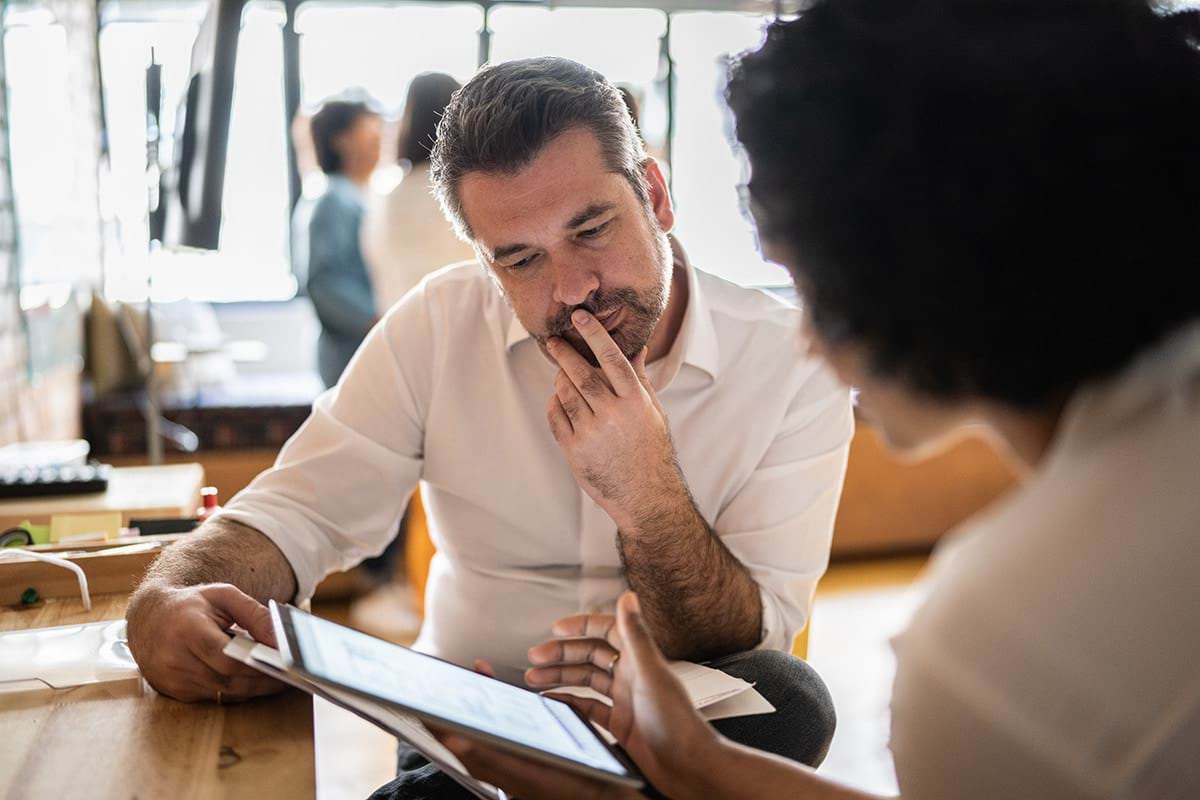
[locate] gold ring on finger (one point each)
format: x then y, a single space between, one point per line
612 665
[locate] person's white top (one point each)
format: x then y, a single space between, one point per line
405 237
449 388
1056 656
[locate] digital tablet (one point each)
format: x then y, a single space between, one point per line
448 696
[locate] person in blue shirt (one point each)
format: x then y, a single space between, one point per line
346 137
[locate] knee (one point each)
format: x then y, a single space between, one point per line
804 713
797 687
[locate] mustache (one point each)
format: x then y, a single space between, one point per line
599 302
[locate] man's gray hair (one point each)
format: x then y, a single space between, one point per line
502 118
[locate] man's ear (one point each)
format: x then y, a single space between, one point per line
660 196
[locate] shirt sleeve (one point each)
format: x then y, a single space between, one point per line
340 485
780 523
337 278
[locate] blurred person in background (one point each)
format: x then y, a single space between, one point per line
405 235
346 136
989 208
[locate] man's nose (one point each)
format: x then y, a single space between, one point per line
573 283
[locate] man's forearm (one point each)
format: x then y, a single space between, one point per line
698 599
223 551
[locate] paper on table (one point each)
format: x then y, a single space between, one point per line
64 656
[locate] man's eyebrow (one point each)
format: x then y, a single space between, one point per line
589 213
501 253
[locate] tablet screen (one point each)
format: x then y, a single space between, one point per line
427 685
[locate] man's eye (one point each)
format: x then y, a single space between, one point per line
524 262
591 233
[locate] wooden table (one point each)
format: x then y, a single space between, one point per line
171 490
95 742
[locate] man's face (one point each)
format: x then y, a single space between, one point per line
566 233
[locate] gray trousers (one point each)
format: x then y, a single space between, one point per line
800 729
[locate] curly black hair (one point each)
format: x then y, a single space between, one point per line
995 198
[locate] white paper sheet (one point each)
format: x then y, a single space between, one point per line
67 655
711 691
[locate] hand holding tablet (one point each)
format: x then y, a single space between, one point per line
447 696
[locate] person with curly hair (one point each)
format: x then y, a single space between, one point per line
990 210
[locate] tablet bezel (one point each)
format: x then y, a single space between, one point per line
290 651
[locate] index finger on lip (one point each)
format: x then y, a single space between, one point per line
616 366
589 383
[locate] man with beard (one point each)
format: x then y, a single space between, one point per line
536 417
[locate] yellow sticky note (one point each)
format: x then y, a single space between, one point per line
66 528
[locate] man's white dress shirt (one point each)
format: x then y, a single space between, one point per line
450 390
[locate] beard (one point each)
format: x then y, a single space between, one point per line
641 312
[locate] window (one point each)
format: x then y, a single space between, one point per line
708 171
125 52
55 198
252 263
256 207
587 35
392 44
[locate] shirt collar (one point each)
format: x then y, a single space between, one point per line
696 343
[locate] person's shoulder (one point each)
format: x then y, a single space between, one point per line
462 284
750 324
457 304
465 275
758 342
339 198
